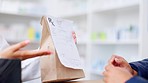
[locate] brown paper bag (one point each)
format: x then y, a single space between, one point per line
51 68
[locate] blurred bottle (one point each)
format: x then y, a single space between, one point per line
134 32
31 33
34 31
37 33
128 33
102 36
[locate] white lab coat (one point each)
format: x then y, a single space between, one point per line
31 70
30 67
3 43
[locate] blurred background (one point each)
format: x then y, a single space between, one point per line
103 27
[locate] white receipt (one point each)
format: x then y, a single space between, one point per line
61 33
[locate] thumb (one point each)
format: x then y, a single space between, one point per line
120 62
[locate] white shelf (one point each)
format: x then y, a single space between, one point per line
82 42
25 0
20 15
115 42
116 7
73 14
33 45
32 42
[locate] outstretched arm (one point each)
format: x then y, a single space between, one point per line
10 61
15 52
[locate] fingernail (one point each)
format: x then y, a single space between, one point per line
116 59
27 41
49 52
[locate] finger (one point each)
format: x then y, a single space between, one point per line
73 32
119 57
105 79
75 41
19 45
115 60
74 37
119 61
106 68
109 67
30 54
111 59
105 74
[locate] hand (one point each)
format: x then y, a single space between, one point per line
74 36
114 74
14 52
121 62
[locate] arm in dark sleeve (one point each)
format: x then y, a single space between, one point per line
10 71
141 67
137 79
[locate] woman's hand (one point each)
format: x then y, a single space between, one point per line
14 52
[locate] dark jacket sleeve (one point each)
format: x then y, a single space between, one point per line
10 71
142 68
137 79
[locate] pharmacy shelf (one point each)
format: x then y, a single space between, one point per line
116 42
32 46
108 17
114 8
20 15
81 43
32 42
25 0
73 14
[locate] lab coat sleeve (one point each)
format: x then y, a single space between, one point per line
31 70
142 69
10 71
